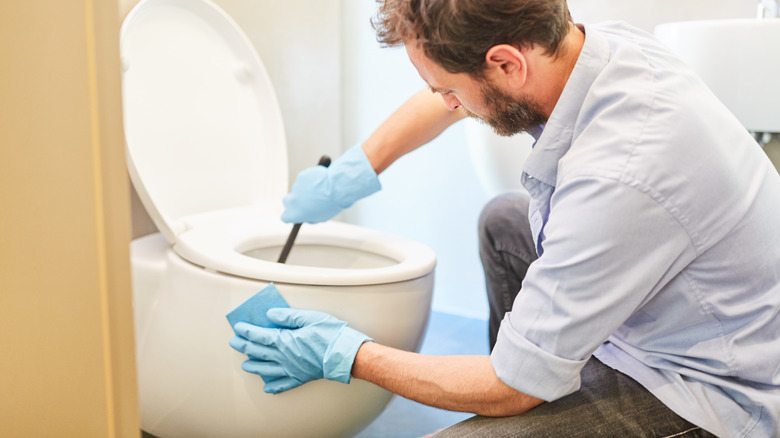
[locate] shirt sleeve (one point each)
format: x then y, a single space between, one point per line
610 245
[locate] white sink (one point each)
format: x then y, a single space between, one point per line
739 60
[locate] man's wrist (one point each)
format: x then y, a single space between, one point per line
340 356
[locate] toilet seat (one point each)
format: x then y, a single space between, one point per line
207 155
202 124
219 241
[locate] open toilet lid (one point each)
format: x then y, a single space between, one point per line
202 124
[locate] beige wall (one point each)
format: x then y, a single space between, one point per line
68 367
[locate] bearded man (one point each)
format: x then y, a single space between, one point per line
635 292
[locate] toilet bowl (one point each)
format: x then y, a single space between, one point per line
207 155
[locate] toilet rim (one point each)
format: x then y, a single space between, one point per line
219 245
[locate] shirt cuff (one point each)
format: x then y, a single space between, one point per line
527 368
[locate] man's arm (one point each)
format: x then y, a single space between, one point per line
419 120
319 193
310 345
456 383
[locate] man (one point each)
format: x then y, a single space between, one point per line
648 271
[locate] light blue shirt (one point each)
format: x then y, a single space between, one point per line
657 221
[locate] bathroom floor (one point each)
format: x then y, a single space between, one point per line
446 335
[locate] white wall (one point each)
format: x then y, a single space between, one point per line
433 194
649 13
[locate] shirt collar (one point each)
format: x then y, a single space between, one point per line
558 132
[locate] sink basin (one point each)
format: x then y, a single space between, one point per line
738 59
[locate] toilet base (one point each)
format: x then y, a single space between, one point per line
190 380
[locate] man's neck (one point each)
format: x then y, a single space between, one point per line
555 71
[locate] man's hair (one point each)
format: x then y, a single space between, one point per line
457 34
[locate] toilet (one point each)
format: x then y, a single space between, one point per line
206 153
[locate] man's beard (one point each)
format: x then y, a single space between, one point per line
508 116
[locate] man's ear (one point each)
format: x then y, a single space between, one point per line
508 61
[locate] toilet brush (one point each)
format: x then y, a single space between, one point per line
324 161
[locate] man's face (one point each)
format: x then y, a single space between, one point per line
480 98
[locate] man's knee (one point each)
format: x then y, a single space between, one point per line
507 212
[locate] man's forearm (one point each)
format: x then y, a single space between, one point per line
419 120
456 383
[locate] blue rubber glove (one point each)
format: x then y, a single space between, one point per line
319 192
308 346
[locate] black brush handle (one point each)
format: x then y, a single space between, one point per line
324 161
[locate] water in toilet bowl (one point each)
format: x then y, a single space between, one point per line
323 256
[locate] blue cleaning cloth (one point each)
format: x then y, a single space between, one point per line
253 310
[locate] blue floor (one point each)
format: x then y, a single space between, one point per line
446 335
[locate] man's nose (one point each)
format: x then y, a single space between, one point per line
452 102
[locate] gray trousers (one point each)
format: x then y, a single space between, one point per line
609 403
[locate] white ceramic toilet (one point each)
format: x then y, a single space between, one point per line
206 153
